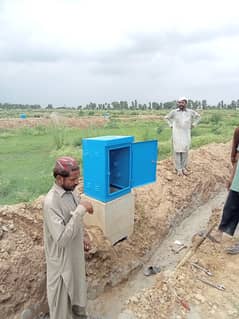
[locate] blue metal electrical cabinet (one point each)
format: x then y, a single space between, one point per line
113 165
23 116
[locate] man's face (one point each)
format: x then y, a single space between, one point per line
182 104
69 183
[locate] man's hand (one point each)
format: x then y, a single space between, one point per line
88 206
87 242
229 184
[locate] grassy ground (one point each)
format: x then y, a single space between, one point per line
28 154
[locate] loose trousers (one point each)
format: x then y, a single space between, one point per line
230 216
180 160
62 308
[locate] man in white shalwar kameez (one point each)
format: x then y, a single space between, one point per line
65 242
181 120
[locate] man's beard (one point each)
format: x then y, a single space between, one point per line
69 189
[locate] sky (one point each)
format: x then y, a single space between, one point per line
73 52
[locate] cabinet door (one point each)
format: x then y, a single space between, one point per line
144 162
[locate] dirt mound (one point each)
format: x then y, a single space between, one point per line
83 122
158 207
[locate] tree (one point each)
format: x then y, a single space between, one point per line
233 104
115 105
155 106
169 105
124 105
136 104
204 104
132 106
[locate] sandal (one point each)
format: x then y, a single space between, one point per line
233 250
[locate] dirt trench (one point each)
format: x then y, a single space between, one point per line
160 207
178 292
112 302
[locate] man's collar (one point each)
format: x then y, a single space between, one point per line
59 189
184 110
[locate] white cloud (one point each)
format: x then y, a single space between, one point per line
76 51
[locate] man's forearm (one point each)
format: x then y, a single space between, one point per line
71 228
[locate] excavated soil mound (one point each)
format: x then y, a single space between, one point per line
83 122
159 207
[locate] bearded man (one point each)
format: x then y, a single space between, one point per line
65 242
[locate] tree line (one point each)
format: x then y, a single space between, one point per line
125 105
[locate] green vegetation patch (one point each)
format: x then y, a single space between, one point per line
28 154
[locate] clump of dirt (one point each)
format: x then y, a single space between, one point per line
159 207
22 266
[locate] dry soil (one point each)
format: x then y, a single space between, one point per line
159 208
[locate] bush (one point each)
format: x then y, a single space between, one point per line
5 187
216 129
159 130
58 134
77 142
75 152
146 134
216 118
164 149
112 124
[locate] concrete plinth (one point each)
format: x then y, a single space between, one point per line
115 218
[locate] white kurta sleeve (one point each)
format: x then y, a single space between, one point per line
64 233
195 118
169 118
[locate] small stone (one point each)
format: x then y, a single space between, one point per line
4 228
169 177
11 226
2 290
180 291
165 288
200 298
5 255
27 314
134 299
127 314
5 297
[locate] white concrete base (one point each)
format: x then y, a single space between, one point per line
115 218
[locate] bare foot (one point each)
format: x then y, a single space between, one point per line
186 172
217 236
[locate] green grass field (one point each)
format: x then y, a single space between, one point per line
28 154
